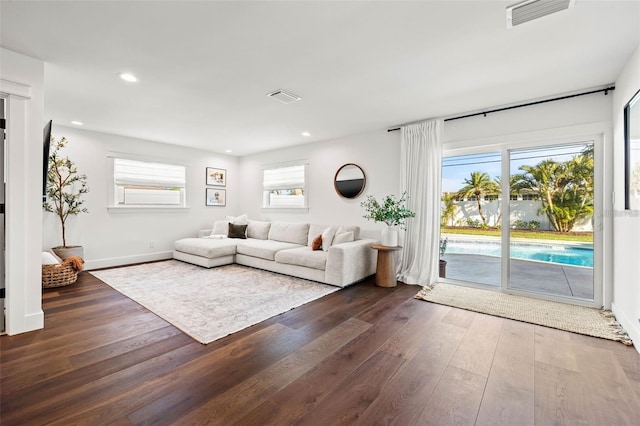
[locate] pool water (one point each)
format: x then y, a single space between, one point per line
581 255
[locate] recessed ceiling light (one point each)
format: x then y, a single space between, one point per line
306 134
129 77
228 151
77 123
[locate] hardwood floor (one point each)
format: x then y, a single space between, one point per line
363 355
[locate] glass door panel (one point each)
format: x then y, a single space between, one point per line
470 219
551 210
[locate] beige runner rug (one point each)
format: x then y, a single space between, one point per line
576 319
208 304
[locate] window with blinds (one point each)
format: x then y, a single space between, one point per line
285 187
140 183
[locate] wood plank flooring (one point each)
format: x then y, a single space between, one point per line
363 355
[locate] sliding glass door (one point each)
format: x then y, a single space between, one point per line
471 214
551 248
531 233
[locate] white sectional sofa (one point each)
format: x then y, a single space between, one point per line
286 248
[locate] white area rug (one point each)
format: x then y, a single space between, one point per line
577 319
208 304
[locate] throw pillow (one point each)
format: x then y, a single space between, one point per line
220 227
48 259
354 229
317 243
237 231
239 220
343 237
327 238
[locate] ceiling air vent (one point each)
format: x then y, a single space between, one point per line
284 97
533 9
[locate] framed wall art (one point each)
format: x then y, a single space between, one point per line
216 197
216 177
632 153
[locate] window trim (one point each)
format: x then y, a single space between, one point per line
287 209
112 207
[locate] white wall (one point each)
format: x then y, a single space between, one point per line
626 224
517 122
22 85
116 238
377 153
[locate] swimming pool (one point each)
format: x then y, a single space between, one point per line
575 255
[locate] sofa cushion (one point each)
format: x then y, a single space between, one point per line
314 231
237 231
354 229
296 233
206 247
220 227
327 237
264 249
258 229
238 220
343 237
303 256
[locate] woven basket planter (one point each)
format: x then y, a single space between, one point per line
58 275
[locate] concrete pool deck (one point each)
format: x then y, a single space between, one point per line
544 277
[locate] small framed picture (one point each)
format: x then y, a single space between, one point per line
216 177
216 197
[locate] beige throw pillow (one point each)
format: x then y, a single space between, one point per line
343 237
220 227
327 238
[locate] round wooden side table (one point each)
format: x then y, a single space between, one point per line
386 266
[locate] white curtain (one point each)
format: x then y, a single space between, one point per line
420 178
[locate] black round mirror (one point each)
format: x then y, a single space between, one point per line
349 181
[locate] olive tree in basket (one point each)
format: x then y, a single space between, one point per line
65 190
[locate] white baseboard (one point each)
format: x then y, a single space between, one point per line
630 325
30 322
127 260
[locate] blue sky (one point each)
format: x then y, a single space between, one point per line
456 169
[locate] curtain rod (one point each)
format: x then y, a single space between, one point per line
606 92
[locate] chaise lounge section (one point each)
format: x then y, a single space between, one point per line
328 254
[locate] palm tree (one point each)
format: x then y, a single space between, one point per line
512 191
478 185
546 179
565 189
576 200
449 208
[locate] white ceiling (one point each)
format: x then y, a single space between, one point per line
205 67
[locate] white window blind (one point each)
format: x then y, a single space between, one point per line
148 184
285 187
284 178
139 173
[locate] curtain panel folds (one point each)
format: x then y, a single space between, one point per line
420 178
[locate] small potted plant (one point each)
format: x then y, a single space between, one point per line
65 188
393 212
443 263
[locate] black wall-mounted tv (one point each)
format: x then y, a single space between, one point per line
46 142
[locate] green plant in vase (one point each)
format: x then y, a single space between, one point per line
392 211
